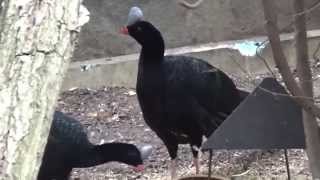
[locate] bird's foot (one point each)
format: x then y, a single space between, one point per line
196 165
173 169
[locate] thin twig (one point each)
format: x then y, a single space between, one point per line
263 43
190 5
305 12
242 69
263 59
286 95
241 174
312 8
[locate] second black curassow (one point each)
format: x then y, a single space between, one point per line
182 98
68 147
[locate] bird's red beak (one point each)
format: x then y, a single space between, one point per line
124 30
138 168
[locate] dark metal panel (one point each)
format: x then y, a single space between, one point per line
262 121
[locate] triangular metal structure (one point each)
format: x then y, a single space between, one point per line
266 119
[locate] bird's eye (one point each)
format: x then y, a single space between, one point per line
132 154
139 29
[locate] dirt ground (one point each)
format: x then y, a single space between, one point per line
113 114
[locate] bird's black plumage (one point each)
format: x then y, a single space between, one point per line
182 98
68 147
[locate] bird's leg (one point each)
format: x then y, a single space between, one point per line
173 169
196 164
196 157
172 146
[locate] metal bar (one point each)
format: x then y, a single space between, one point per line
210 164
287 163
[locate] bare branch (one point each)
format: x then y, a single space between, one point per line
190 5
250 78
303 65
306 11
280 59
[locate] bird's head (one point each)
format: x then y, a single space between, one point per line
142 31
135 156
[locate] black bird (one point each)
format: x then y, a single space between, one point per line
68 147
182 98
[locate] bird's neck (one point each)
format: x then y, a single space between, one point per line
100 154
154 51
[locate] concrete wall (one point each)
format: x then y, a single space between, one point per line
212 21
122 70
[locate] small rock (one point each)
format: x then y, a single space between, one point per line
102 141
104 115
92 114
130 93
73 88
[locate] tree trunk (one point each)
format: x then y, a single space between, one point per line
304 73
281 61
36 43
